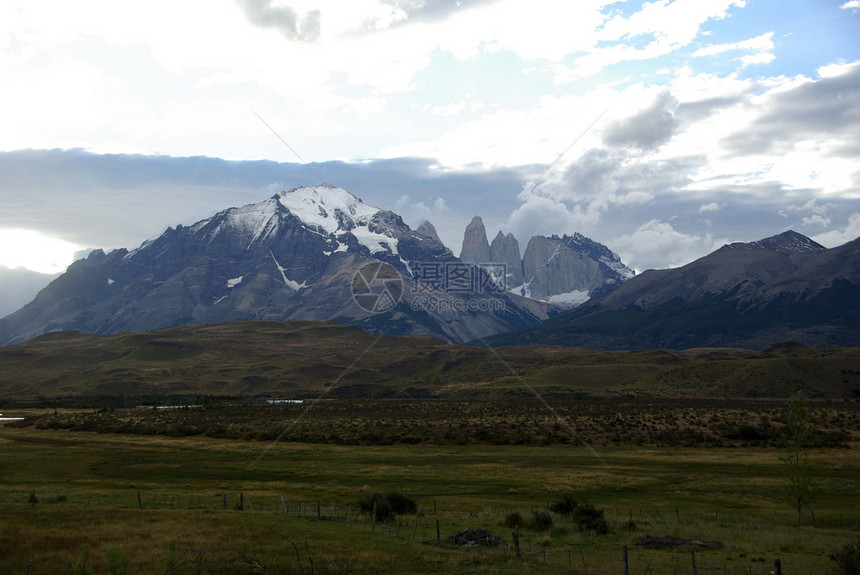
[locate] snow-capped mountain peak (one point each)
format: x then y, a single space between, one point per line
327 208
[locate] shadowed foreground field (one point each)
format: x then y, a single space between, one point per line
87 514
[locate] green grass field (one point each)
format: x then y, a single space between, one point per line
87 515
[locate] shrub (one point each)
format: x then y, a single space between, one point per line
590 518
587 517
513 519
401 504
388 505
541 520
564 507
847 558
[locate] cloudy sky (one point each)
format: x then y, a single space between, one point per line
662 129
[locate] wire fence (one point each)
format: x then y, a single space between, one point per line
424 528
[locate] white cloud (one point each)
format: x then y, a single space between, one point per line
547 216
670 26
711 207
810 207
761 47
760 58
816 220
835 238
513 137
657 245
763 43
413 213
853 5
283 18
634 198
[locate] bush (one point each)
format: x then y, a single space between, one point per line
587 517
564 507
388 505
401 504
541 520
848 558
513 519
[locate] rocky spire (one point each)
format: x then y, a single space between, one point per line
476 249
506 250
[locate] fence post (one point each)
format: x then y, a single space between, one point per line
373 520
283 507
693 558
624 565
318 508
777 567
241 502
139 502
516 537
438 536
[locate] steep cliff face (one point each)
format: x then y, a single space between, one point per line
476 248
551 268
505 249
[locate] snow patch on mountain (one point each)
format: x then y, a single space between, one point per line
292 284
231 283
615 264
374 241
569 300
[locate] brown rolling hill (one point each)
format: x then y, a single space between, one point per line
303 359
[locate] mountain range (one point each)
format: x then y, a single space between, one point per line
756 294
292 256
320 253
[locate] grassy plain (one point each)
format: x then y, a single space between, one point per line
87 483
680 443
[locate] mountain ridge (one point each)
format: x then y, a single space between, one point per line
754 294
